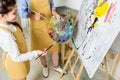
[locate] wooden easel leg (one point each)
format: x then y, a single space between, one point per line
64 68
116 64
73 67
106 69
80 72
63 52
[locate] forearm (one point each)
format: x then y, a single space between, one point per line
9 45
25 56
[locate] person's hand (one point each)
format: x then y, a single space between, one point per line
37 16
54 13
41 53
45 52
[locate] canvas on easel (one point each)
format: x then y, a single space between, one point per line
97 29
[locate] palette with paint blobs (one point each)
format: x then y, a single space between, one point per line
60 30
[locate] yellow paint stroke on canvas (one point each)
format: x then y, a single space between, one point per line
100 10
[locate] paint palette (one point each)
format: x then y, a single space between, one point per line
60 30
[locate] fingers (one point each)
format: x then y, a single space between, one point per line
58 17
45 52
37 16
45 49
42 53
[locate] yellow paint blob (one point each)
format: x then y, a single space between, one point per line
101 9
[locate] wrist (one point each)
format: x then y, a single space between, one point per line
30 15
53 12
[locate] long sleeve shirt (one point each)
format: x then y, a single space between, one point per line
24 6
9 45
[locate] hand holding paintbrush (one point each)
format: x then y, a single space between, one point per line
36 15
45 50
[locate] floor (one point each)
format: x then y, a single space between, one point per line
36 69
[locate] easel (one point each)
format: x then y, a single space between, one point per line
73 66
77 77
117 62
64 54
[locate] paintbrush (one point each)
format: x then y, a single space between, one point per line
47 49
35 12
41 15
